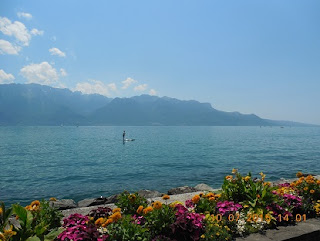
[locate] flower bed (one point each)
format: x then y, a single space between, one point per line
245 205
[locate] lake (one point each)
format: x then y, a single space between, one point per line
86 162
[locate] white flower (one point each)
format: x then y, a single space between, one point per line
241 224
102 230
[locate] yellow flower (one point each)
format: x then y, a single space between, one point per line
106 223
263 176
8 233
267 184
246 206
99 222
34 206
1 211
165 197
175 203
217 233
132 197
229 178
195 199
312 191
53 199
209 195
116 210
299 174
258 196
202 236
234 170
211 199
306 188
157 205
36 202
147 210
317 207
140 209
318 182
201 194
247 178
309 177
115 217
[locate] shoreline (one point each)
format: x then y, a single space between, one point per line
69 206
307 229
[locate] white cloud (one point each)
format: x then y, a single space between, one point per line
19 31
36 32
58 52
92 87
140 87
16 29
5 78
112 87
153 92
27 16
63 72
7 48
126 83
42 73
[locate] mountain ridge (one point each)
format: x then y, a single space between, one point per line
34 104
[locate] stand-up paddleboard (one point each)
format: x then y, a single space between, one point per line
129 139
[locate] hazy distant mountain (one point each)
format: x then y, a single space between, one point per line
33 104
151 110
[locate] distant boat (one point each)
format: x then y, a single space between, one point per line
281 127
129 139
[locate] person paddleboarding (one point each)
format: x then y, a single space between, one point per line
123 135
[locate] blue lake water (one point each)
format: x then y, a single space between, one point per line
83 162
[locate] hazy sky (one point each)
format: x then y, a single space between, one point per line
260 57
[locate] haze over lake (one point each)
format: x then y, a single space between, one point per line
83 162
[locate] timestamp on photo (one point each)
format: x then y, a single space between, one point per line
260 217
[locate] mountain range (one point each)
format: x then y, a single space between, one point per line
33 104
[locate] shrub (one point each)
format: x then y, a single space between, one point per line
129 203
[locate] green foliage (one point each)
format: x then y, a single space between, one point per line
48 215
252 193
129 203
159 220
215 230
36 224
4 216
127 230
206 204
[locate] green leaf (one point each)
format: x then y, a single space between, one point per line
264 192
29 219
40 228
33 238
53 234
21 212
